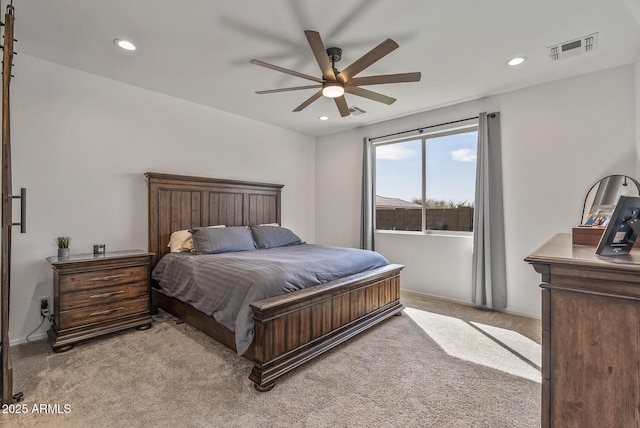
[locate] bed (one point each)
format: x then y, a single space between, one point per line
288 329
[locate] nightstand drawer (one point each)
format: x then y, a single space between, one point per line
102 313
101 278
100 296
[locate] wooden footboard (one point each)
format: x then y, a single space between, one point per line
295 328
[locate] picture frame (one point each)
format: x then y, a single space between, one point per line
600 216
622 229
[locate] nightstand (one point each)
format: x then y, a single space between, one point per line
94 295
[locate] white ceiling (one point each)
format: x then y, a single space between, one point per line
199 50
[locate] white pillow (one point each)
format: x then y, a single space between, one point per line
182 240
270 224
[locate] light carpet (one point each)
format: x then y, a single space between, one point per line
393 375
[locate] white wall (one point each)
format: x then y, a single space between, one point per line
557 140
637 111
81 144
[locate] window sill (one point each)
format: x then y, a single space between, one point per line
447 233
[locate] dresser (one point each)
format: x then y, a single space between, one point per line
590 336
94 295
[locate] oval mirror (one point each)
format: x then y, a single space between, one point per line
603 197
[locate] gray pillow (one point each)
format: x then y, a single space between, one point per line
221 240
274 236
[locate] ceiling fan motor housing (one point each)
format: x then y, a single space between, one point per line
335 54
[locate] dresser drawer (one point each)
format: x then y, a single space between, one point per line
102 295
101 278
103 313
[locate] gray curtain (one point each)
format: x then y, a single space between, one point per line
367 233
489 285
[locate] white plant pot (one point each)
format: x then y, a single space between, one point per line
63 253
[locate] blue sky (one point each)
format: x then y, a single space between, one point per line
451 168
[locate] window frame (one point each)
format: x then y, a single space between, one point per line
469 125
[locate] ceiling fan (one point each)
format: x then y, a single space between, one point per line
334 83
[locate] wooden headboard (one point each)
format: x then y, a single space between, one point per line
178 202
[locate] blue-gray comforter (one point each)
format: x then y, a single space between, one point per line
223 285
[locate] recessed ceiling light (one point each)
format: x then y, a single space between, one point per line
516 61
125 44
323 117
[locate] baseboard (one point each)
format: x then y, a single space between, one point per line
33 338
466 303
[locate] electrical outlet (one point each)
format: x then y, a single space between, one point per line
44 303
45 306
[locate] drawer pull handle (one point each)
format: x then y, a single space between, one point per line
107 278
108 311
113 293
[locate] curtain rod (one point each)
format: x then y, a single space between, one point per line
423 128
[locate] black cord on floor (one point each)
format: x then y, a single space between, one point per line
36 329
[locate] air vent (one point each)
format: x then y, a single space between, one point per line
575 47
355 110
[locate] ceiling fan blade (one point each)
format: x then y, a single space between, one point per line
308 101
367 59
286 71
385 78
343 108
365 93
320 52
296 88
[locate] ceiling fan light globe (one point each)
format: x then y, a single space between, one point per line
332 90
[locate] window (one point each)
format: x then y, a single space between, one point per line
427 183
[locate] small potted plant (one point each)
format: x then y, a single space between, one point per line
63 246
